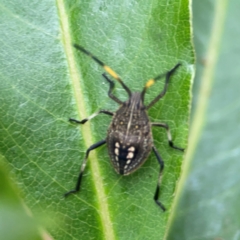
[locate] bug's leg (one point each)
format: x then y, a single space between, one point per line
90 117
150 82
170 142
94 146
111 83
106 68
161 163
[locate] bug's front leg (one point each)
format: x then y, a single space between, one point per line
170 142
77 188
90 117
111 87
161 163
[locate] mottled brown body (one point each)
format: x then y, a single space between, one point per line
129 137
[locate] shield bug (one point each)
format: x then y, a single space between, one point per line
129 138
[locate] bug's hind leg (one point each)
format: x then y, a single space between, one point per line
170 142
77 188
156 195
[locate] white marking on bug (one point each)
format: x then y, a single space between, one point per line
169 135
130 155
132 149
93 115
117 145
83 166
128 161
116 151
126 166
116 158
160 179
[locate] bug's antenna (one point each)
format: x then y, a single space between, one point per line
107 68
151 81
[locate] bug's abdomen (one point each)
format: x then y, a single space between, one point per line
129 141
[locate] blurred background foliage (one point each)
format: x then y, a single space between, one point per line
208 208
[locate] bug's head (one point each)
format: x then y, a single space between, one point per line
135 101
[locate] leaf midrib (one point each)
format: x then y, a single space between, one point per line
76 77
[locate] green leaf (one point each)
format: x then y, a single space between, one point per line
15 223
208 205
44 81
